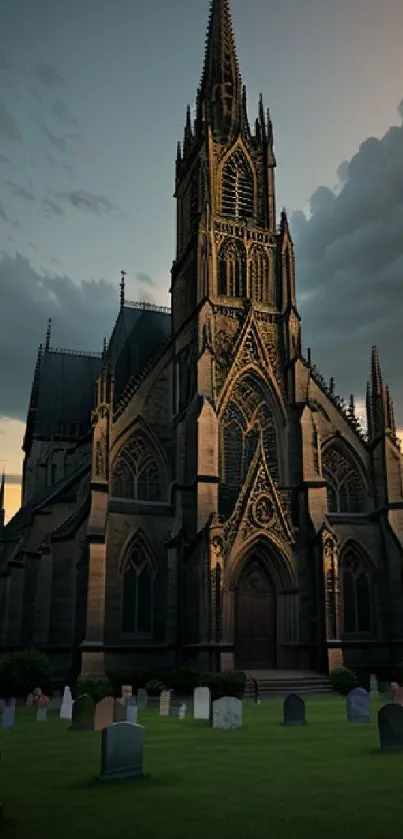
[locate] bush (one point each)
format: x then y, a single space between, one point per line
22 672
229 683
154 687
343 680
183 680
95 687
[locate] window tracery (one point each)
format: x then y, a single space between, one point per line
345 488
137 473
137 593
248 418
260 277
232 271
237 189
356 589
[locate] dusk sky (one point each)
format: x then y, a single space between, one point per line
93 96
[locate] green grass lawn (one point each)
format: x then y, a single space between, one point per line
328 779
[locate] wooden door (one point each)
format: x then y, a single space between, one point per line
255 619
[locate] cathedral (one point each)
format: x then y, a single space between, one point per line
196 493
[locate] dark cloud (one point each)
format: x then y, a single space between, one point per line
51 208
21 192
48 76
90 203
8 125
144 279
57 142
5 63
349 267
81 316
5 159
62 113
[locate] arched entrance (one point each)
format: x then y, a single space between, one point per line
255 618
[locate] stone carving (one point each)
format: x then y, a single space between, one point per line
263 511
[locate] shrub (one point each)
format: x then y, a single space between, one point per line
154 687
95 687
229 683
22 672
343 680
183 680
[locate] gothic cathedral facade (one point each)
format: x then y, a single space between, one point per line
223 507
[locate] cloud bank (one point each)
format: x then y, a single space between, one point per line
349 267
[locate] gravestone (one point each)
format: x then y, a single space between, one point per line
119 711
66 708
127 692
82 718
104 713
8 715
396 691
358 705
142 698
131 710
373 685
227 713
165 703
294 710
55 703
201 703
390 727
41 713
182 711
122 752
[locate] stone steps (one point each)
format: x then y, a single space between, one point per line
280 684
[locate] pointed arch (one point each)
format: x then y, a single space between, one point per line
261 281
139 471
357 589
137 572
237 186
347 487
232 270
248 417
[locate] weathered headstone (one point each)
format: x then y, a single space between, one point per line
131 710
142 698
104 713
373 685
8 715
165 703
201 703
66 708
358 705
390 727
127 692
122 752
83 714
119 711
294 710
227 713
41 713
182 711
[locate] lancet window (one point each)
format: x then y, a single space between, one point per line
232 271
237 189
260 277
345 487
356 593
137 473
137 593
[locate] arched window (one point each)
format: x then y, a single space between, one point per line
248 418
232 271
260 277
137 593
345 487
356 592
137 473
237 190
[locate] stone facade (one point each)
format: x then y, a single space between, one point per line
200 495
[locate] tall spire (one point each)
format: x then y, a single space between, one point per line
122 288
220 97
48 334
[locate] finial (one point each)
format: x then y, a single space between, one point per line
331 386
48 333
104 349
122 288
351 406
309 355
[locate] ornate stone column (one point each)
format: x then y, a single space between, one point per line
331 576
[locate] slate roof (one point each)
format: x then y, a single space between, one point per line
65 393
137 337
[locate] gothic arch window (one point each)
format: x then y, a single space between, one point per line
231 271
356 594
137 592
137 473
237 189
260 277
346 491
247 419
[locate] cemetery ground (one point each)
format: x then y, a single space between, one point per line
326 779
